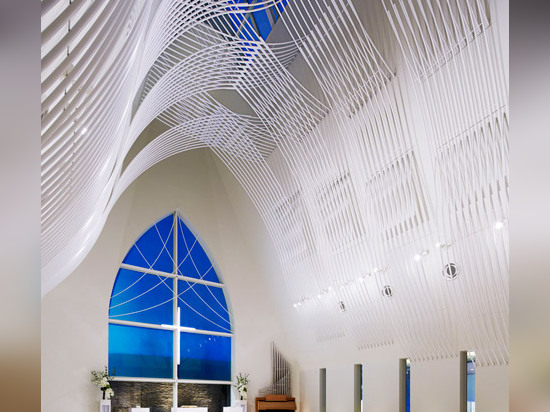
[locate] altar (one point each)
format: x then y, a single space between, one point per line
181 409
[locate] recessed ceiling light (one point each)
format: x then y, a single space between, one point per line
499 224
84 130
417 257
450 271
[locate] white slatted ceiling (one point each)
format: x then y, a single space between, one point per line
339 183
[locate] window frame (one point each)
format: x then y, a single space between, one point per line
176 327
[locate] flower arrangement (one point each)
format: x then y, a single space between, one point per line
241 385
103 380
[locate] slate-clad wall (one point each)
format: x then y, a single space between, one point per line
158 396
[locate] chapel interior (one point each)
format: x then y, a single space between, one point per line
311 194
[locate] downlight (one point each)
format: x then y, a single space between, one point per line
341 306
387 291
450 271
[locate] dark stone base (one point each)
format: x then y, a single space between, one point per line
158 396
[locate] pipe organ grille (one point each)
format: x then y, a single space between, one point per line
280 368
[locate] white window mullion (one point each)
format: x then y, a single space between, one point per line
176 314
170 275
170 327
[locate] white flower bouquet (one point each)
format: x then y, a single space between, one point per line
103 380
242 385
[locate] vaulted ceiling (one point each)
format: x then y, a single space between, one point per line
372 137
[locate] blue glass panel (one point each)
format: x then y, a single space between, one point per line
134 257
141 297
204 357
263 23
471 382
154 248
236 20
274 14
140 352
361 381
192 259
281 6
248 32
408 385
203 307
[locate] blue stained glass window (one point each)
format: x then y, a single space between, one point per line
192 259
203 307
140 352
143 350
205 357
154 248
142 297
263 23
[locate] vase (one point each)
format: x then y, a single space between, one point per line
105 405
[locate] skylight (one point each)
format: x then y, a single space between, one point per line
250 22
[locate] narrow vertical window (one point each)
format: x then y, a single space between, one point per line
467 382
358 388
471 381
404 385
322 390
408 383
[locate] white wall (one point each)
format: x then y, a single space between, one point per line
340 388
435 385
492 389
309 390
381 385
75 314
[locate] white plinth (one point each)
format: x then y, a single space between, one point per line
139 409
232 409
190 409
241 404
105 405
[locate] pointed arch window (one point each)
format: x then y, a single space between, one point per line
168 313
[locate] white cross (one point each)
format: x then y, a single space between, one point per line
176 327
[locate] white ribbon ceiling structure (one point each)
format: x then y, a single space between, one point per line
386 235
